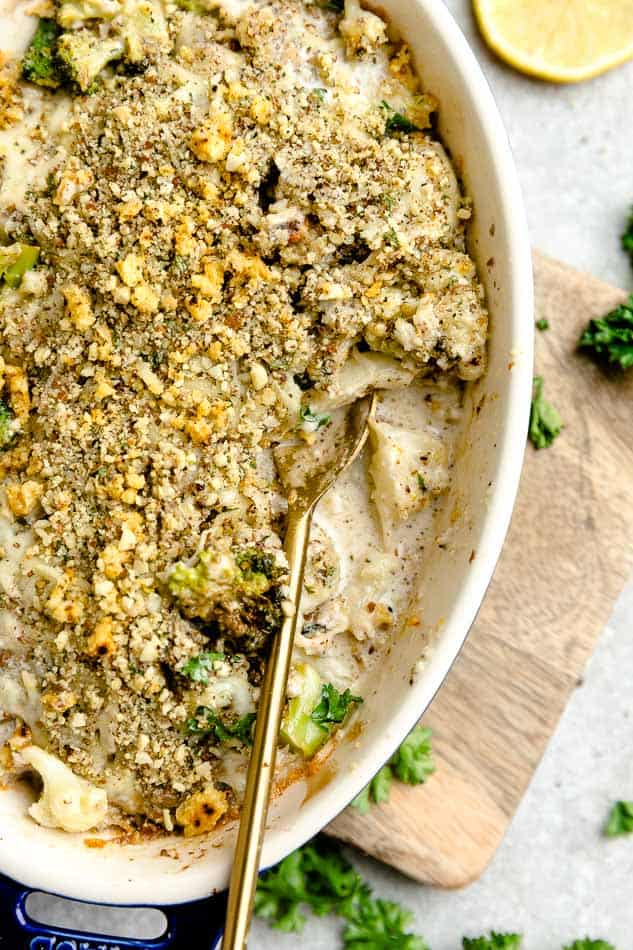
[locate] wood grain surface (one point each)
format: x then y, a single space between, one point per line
568 554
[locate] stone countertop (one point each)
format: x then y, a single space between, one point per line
554 877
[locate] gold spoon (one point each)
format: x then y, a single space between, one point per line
307 472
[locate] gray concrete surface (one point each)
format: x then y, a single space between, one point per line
554 878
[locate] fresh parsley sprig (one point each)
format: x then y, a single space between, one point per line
496 941
381 925
610 338
545 421
620 820
318 877
207 723
412 763
333 706
198 667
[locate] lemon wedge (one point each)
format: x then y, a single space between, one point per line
558 40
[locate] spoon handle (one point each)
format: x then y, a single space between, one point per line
261 766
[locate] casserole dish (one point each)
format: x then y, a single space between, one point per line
170 871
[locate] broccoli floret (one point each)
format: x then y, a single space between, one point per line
239 592
15 260
315 712
40 60
298 728
9 426
83 55
257 570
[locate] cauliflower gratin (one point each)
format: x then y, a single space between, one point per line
220 222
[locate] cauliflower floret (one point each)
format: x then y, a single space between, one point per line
361 374
136 28
361 30
67 801
202 811
84 55
406 468
144 28
448 327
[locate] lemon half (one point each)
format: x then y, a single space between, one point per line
559 40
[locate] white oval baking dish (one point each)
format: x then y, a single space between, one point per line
173 870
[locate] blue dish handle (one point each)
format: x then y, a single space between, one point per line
195 926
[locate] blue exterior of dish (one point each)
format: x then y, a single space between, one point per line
194 926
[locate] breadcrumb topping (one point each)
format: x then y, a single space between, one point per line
218 232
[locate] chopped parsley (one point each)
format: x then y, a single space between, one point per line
545 422
180 264
421 482
313 421
620 820
199 667
397 121
333 706
318 877
8 425
542 324
412 764
319 94
610 338
206 722
495 941
391 238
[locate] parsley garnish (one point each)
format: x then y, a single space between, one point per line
494 942
317 876
610 338
542 324
412 763
333 706
545 422
206 722
199 667
8 425
627 236
588 944
313 421
320 94
180 264
620 820
421 482
390 237
397 121
381 925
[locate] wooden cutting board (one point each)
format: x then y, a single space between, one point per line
568 554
